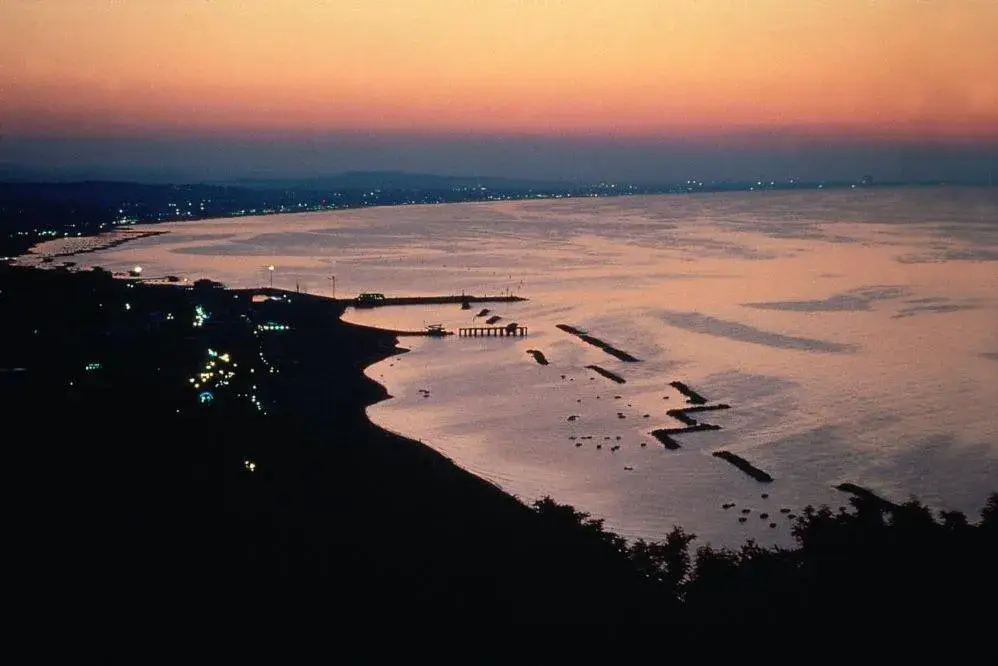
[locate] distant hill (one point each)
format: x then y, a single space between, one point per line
394 180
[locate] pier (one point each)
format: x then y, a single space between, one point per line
492 331
371 300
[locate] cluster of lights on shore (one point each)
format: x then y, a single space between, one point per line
200 316
271 326
215 374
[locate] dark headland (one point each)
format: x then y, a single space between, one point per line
194 444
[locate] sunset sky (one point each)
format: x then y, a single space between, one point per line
552 74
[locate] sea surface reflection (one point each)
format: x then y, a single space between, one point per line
853 333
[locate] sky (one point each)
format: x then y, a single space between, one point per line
541 88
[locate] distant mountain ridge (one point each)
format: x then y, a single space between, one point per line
347 180
392 180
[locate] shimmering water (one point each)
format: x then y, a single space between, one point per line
854 334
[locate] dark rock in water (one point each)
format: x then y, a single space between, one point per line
742 519
572 437
577 444
618 437
628 468
644 444
493 319
772 524
763 516
483 312
563 376
784 510
746 510
616 397
765 496
573 417
646 416
465 305
599 446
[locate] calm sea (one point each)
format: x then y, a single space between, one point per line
853 333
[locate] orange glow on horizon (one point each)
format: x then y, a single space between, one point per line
889 69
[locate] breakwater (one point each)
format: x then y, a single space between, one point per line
683 414
538 356
692 396
744 465
367 301
606 373
596 342
867 495
690 424
664 435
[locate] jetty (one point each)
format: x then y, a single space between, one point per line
375 300
431 331
512 330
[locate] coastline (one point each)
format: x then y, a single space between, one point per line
370 345
317 501
320 504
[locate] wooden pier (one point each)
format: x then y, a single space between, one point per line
380 300
495 331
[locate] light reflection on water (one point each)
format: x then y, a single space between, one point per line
855 335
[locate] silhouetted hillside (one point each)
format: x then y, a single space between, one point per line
140 406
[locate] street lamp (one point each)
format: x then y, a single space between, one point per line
270 269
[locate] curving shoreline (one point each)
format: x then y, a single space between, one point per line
120 238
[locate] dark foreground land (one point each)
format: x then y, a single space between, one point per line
261 487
